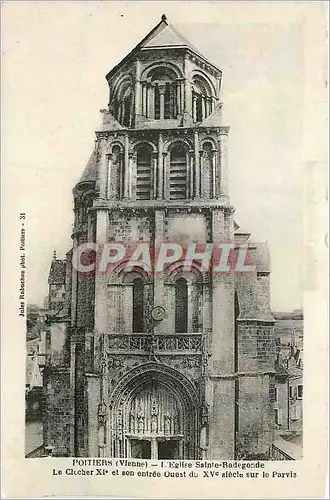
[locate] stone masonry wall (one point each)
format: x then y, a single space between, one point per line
256 346
58 413
255 416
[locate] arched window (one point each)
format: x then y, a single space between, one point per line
126 108
87 203
143 173
165 101
181 306
138 305
161 89
178 173
123 103
202 99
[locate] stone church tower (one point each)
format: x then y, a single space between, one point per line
178 365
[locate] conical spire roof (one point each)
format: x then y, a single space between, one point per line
168 36
90 172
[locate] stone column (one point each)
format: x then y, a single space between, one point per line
74 286
179 103
213 163
132 167
102 170
197 166
90 226
160 183
126 170
194 107
111 176
101 282
191 173
162 89
166 177
177 91
144 99
102 413
154 169
202 157
205 107
151 102
223 168
190 308
159 277
187 100
137 90
207 308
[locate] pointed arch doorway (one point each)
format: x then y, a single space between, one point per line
154 418
155 428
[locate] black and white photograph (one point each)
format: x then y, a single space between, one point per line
167 218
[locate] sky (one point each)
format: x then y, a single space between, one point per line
55 58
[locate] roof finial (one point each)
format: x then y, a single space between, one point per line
164 17
54 255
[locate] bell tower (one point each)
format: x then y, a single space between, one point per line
172 364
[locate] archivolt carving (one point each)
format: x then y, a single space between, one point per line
153 399
155 369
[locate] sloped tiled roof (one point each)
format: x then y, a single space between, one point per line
57 272
290 448
110 122
281 371
161 36
261 257
168 37
90 172
241 234
214 119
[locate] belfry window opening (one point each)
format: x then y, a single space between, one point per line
123 104
202 100
143 173
159 94
165 101
178 173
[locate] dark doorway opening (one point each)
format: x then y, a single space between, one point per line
168 450
140 448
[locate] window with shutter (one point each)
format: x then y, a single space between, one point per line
143 173
178 174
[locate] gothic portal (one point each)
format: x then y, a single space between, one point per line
175 365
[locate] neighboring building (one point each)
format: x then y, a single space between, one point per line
33 402
35 363
56 283
173 366
288 404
